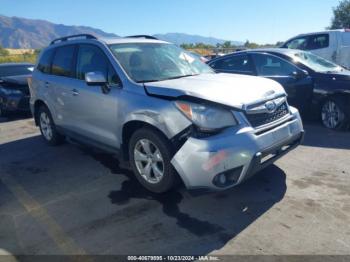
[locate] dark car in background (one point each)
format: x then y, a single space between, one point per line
316 86
14 90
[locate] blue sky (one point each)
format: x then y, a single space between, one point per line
262 21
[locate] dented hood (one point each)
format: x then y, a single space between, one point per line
228 89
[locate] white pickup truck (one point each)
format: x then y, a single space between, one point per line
333 45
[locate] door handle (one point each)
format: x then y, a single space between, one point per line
75 92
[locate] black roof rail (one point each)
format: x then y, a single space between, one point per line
62 39
142 36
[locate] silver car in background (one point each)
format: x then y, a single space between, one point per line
162 110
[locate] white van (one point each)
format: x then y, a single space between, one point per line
333 45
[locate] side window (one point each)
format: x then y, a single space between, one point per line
62 64
318 41
240 63
297 43
346 39
44 64
92 59
268 65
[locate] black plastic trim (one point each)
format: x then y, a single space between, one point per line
66 38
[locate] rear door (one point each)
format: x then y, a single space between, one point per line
60 82
299 89
234 64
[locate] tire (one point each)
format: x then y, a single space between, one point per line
47 127
161 175
333 115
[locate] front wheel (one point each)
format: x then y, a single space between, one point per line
333 115
150 156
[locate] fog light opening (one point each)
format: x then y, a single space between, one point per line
222 179
228 178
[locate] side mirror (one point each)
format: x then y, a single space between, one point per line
300 74
95 79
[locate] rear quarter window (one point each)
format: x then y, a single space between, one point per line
44 64
239 63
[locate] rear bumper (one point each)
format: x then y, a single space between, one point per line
237 154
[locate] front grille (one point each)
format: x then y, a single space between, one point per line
260 119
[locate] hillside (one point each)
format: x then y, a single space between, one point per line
18 32
180 38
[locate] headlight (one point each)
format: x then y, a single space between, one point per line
10 91
206 118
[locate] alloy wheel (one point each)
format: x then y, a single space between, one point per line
45 126
149 161
332 115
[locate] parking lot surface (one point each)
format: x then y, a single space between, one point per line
74 200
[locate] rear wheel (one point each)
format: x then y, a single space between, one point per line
150 156
48 128
333 115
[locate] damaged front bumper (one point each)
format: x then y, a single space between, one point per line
225 160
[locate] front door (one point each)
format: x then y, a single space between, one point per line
299 88
94 112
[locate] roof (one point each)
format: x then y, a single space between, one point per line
284 51
116 40
323 32
320 32
107 40
16 64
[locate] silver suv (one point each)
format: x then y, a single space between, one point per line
162 110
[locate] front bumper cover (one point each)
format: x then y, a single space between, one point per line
241 149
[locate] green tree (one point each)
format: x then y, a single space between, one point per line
3 51
187 46
250 45
341 15
227 44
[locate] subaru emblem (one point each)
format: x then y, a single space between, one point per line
270 106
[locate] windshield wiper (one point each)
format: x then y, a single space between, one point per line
148 81
182 76
333 71
170 78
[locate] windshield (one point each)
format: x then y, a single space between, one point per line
15 70
316 63
150 62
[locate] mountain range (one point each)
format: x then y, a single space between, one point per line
180 38
17 32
